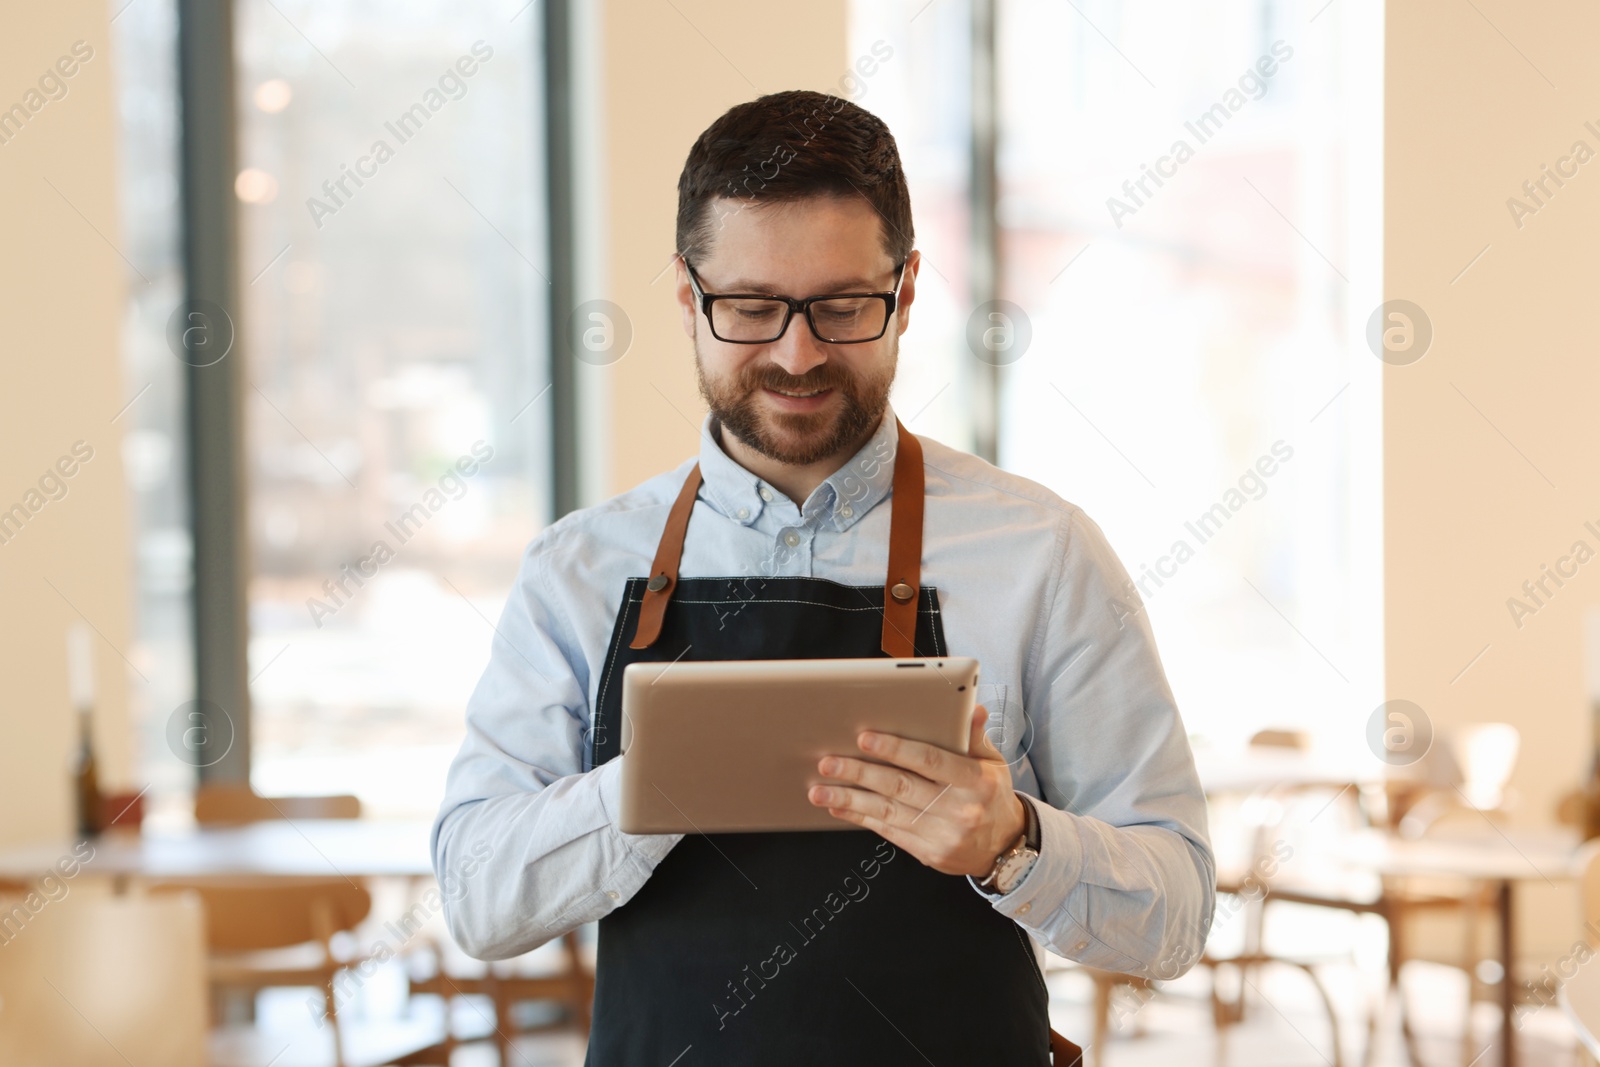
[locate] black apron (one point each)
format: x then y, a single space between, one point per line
803 948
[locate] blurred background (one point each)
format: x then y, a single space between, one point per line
315 314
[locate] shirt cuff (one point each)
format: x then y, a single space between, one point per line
651 849
1044 889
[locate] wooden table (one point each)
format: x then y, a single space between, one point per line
1257 768
279 849
1498 859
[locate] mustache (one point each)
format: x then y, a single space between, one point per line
772 376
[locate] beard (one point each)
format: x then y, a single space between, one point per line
794 438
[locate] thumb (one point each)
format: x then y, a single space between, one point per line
978 743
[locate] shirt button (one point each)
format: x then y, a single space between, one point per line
791 538
847 511
766 494
1025 909
612 893
1080 946
743 513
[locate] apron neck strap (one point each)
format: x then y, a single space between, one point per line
664 571
901 585
904 581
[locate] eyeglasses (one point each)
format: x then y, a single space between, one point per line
762 318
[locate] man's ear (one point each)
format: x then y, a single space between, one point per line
688 312
908 291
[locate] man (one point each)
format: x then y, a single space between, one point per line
813 525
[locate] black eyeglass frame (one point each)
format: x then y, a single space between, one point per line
890 300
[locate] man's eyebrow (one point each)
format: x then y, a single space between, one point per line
845 285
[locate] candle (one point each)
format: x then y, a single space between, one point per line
80 666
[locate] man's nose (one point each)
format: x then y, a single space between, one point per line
798 350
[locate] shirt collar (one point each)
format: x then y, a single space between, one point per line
841 500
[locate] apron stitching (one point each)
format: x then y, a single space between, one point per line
812 603
611 657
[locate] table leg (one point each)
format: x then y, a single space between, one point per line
1508 957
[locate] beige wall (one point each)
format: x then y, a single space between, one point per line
666 71
1490 463
61 301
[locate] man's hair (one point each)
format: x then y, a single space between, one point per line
790 146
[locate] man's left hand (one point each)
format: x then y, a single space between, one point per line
955 813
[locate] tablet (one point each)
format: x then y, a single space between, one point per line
732 746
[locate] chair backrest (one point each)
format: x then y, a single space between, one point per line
247 916
236 804
1487 754
99 981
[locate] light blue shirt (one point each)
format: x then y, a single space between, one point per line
527 840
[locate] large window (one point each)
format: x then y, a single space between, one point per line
152 423
1189 210
392 323
913 75
392 266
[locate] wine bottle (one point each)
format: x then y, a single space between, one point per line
86 777
85 771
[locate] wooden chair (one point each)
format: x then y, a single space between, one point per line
1477 762
1225 1013
224 804
271 935
565 978
1256 881
103 981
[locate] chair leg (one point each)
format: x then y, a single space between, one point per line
1333 1019
1375 1015
1470 956
1407 1035
1102 1018
1221 1014
333 1018
503 1022
580 983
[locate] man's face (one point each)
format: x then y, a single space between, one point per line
798 400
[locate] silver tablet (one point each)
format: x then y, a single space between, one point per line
733 746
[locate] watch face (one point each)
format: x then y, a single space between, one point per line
1013 869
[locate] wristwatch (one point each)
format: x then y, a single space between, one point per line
1013 865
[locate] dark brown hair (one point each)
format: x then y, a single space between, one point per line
789 146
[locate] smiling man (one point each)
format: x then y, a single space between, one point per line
812 524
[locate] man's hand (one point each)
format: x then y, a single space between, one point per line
955 813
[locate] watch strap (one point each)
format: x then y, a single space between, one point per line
1028 840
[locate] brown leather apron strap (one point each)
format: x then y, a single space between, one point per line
903 583
664 571
1064 1053
901 586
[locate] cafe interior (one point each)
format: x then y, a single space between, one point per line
1261 285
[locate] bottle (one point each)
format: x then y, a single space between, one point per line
80 687
86 777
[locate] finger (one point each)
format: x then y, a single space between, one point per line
930 761
906 839
862 801
912 789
